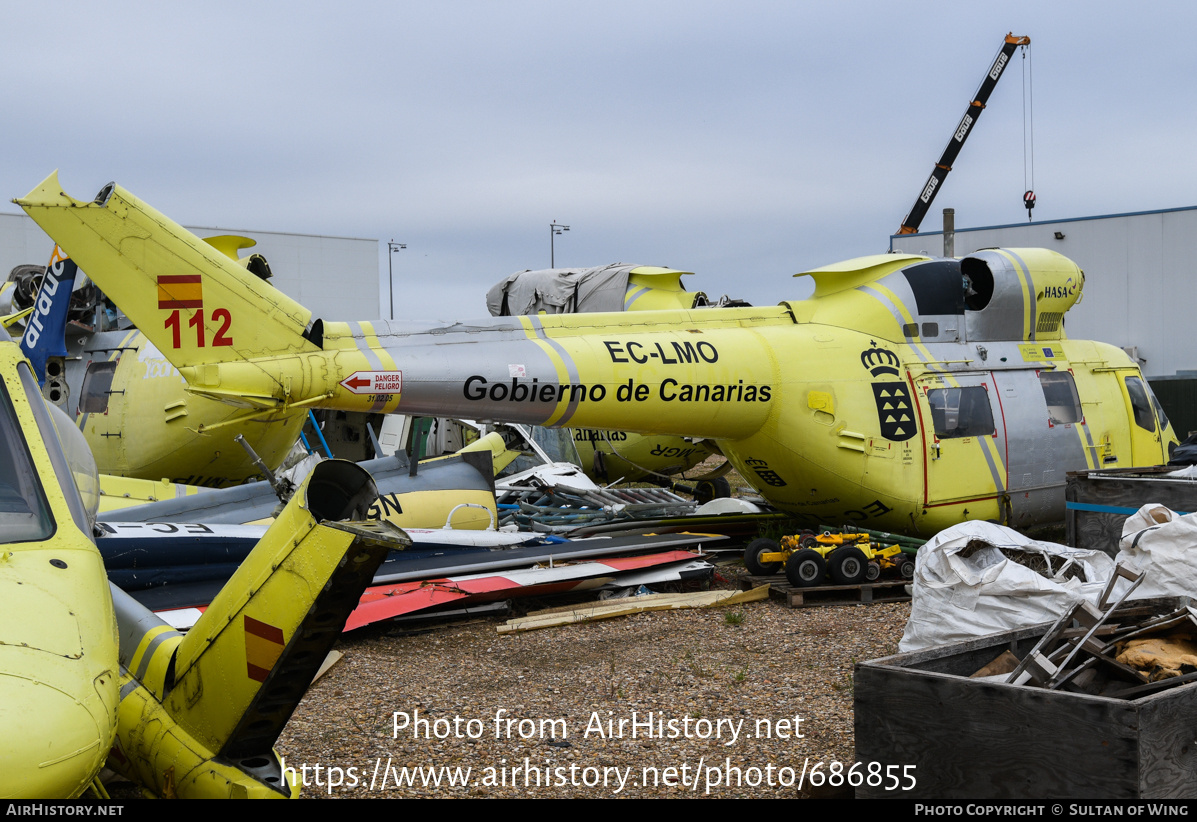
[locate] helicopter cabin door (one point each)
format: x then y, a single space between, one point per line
965 442
1046 437
1144 428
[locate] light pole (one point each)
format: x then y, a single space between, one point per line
554 230
392 247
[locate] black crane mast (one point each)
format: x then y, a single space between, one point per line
911 224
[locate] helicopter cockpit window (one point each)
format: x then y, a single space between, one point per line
960 412
1144 418
24 512
97 385
1063 402
1159 409
558 443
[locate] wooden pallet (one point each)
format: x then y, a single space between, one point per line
867 593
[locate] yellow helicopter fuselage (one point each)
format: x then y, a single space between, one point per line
59 674
133 408
906 394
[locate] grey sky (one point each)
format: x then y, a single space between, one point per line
743 141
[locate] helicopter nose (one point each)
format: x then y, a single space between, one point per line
50 744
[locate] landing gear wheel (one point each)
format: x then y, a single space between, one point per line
805 569
707 490
872 572
808 541
906 568
752 553
847 565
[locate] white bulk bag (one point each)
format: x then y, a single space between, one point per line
962 593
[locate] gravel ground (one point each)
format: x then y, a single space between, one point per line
754 670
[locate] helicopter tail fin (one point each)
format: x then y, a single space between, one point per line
193 301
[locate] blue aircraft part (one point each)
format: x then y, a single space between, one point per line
320 434
45 330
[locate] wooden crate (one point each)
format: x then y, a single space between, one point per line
970 739
1098 502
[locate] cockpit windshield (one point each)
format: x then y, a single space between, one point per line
24 513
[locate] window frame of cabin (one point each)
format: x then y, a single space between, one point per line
96 392
1140 400
973 399
1053 384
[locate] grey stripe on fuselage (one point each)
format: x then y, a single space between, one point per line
570 368
1029 287
148 656
359 339
632 296
997 471
893 309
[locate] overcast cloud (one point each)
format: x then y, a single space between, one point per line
745 142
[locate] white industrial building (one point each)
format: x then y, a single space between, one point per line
1138 269
336 277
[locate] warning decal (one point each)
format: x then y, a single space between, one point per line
374 382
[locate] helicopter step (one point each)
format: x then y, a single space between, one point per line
867 593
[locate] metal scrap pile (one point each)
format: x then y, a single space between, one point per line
1117 649
558 509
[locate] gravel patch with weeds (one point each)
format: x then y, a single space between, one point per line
766 665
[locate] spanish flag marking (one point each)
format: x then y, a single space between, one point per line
263 646
180 291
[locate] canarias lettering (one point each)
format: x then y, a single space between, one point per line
478 388
672 390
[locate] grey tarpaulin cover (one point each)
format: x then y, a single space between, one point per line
561 291
967 585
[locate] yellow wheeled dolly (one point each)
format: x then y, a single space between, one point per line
849 558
